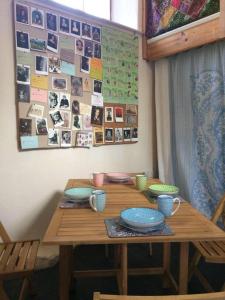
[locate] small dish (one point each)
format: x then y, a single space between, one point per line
159 189
142 217
79 193
116 177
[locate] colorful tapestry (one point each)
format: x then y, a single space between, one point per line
166 15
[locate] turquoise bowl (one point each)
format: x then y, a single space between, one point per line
78 193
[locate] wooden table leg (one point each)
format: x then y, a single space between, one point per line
124 268
166 263
65 271
183 272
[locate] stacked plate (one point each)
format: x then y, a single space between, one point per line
163 189
79 194
117 177
142 219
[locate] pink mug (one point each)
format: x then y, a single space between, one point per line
98 179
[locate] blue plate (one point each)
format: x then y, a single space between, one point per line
140 229
142 217
79 193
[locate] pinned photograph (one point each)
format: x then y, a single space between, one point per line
66 138
97 87
22 14
97 115
118 135
59 83
75 27
54 65
84 139
126 134
130 119
66 115
64 25
118 114
22 41
23 93
85 65
41 65
53 100
23 74
25 127
98 136
97 51
53 42
87 122
41 126
96 34
76 107
134 134
108 114
86 31
131 109
53 137
76 86
87 84
37 17
64 102
79 47
109 135
36 111
56 118
51 21
88 48
77 122
38 45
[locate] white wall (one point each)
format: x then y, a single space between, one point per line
30 181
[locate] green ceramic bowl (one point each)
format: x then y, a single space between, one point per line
79 193
160 189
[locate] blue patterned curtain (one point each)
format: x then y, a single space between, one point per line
197 100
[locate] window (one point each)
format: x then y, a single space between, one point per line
124 12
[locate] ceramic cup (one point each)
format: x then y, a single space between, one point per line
141 182
98 179
97 200
166 203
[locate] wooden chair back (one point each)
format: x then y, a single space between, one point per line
208 296
3 234
220 211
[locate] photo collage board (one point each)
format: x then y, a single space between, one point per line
60 79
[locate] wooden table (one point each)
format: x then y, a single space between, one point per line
85 227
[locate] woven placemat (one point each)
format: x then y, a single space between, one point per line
115 230
69 203
153 198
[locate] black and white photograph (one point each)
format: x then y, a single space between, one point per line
22 14
134 134
96 34
97 115
53 42
118 114
64 101
88 48
59 83
109 135
76 86
51 21
37 17
41 65
97 51
108 114
54 65
79 47
126 134
53 100
56 118
76 107
23 93
36 111
66 116
41 126
22 41
53 137
97 87
98 136
75 27
130 119
25 127
118 135
87 122
23 74
38 44
77 122
66 138
86 31
85 65
64 25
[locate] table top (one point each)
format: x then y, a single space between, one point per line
85 226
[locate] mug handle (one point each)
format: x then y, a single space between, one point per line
176 209
91 199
